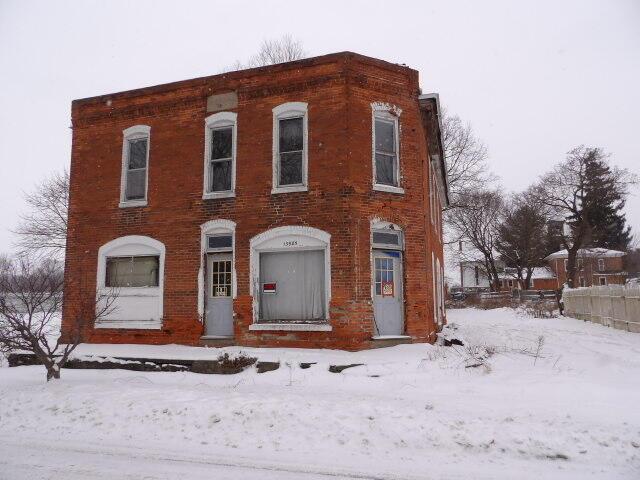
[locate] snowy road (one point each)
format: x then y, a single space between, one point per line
33 461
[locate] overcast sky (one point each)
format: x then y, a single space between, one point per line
534 80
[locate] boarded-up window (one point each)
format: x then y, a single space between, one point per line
298 279
141 271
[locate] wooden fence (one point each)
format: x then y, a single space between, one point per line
615 306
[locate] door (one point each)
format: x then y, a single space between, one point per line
387 289
219 300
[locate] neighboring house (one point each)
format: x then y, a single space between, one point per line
474 278
542 278
595 266
292 205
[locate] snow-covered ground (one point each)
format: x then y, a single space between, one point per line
413 412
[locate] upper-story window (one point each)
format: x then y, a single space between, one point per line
135 166
386 148
220 155
290 156
601 264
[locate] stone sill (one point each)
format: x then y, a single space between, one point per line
390 337
129 325
291 327
132 203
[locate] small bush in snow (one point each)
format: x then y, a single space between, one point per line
539 309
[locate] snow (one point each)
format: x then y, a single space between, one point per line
412 412
587 252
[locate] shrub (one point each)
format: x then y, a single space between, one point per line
540 309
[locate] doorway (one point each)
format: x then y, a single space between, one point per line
218 297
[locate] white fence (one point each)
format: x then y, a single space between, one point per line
612 305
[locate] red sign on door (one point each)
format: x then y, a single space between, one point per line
269 287
387 289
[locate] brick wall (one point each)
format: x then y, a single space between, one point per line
339 89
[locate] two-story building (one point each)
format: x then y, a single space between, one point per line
291 205
594 266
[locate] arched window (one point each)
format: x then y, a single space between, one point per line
131 268
220 155
135 166
290 148
385 146
291 279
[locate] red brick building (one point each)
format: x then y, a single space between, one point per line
293 205
594 266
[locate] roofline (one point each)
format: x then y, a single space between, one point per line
443 160
305 62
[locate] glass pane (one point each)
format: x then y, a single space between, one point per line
385 238
385 169
145 272
221 241
291 134
117 271
385 136
221 176
378 289
136 183
138 153
221 143
132 272
291 168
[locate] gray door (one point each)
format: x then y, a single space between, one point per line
387 289
219 301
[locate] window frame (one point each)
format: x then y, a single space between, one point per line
135 132
125 297
601 265
282 239
214 122
283 112
390 113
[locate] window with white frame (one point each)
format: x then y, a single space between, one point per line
135 166
601 264
130 269
220 155
603 281
386 147
290 147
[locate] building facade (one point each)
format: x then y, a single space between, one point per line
594 266
293 205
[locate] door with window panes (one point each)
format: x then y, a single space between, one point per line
219 300
388 303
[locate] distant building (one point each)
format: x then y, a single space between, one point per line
473 277
595 266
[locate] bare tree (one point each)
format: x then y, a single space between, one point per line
521 238
44 227
466 156
567 193
30 308
271 52
477 224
